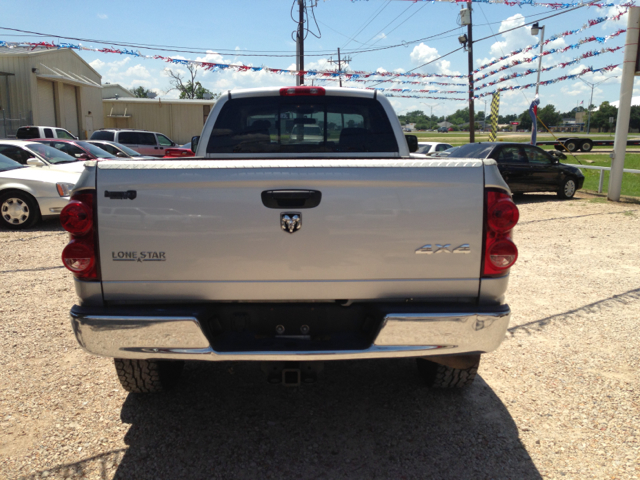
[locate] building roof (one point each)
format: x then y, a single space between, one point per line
635 101
23 52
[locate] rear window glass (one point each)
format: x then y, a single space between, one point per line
302 125
102 135
28 132
128 137
474 150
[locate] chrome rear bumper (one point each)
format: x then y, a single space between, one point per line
182 337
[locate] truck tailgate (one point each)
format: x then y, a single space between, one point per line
198 230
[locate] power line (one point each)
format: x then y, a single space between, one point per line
361 29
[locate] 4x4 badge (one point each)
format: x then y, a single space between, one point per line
291 222
437 248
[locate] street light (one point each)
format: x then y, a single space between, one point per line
593 85
535 28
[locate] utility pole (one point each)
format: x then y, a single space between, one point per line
535 28
592 85
472 120
339 62
626 91
300 44
431 107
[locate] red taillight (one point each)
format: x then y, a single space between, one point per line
501 215
174 152
77 218
296 91
78 257
503 254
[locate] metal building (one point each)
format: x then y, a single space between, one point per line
51 88
177 119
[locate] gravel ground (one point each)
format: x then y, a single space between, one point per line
558 399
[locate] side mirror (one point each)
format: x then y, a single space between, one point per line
84 156
35 162
412 142
194 143
121 155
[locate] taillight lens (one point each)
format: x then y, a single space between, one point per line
296 91
78 218
78 257
501 215
503 254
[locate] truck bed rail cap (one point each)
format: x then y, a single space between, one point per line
282 163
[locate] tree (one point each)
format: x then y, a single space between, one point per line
600 119
634 119
140 92
549 116
188 87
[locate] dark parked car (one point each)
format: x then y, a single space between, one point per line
117 149
76 148
526 168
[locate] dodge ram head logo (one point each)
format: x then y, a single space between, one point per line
291 222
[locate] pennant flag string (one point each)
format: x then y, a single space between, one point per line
520 3
404 82
549 82
530 71
529 48
514 87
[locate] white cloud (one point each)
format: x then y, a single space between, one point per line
381 36
97 64
422 54
611 24
103 16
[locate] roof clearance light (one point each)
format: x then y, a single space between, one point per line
299 91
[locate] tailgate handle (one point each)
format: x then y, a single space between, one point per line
291 198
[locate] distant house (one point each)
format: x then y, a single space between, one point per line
445 124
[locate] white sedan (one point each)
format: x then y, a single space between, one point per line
428 148
35 154
29 194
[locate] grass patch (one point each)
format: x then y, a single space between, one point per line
598 200
630 181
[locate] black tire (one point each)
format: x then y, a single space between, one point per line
148 376
18 210
571 145
568 188
586 146
436 375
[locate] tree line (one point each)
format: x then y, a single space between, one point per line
547 115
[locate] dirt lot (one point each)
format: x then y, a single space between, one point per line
559 399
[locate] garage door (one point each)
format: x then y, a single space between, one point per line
46 103
70 109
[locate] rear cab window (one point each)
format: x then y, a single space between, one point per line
28 132
314 124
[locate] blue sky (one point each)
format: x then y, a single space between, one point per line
227 29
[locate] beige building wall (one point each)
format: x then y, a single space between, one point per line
76 87
177 119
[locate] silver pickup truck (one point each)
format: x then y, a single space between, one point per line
303 231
